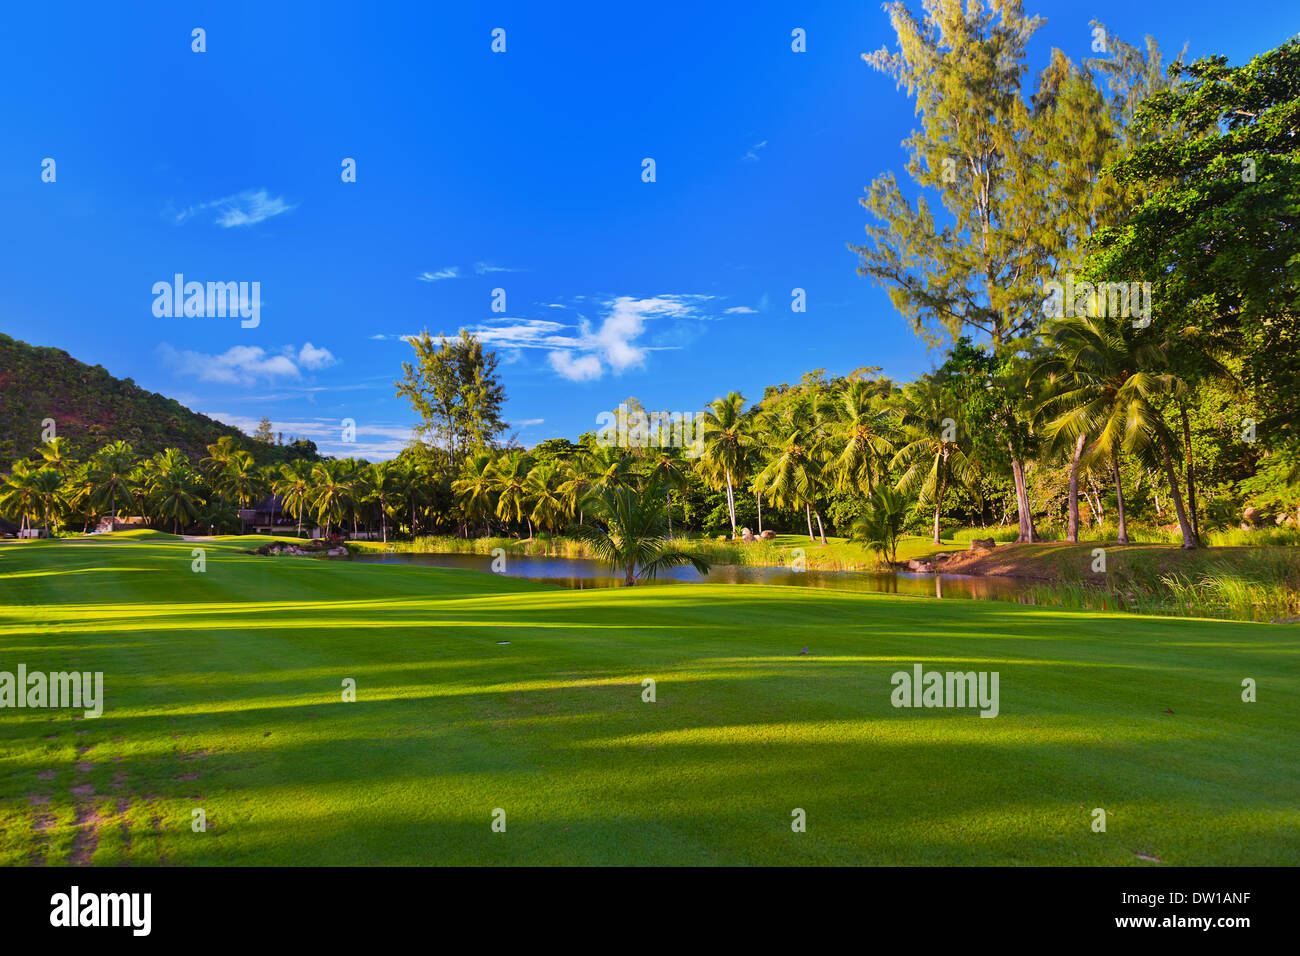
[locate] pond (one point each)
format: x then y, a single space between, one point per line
586 573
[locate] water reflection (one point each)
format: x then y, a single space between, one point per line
583 573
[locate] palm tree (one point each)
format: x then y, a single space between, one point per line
932 459
859 436
509 473
881 524
608 467
576 484
240 481
412 479
360 489
330 492
112 476
19 494
56 456
293 487
385 491
474 488
793 445
220 454
48 485
171 487
666 470
1109 387
542 488
725 440
633 540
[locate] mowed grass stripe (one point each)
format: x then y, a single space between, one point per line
223 692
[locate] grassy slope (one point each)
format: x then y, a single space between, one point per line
223 693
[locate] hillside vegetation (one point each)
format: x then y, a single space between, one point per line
91 407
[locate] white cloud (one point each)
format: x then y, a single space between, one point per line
244 364
752 155
451 272
583 368
529 421
740 310
483 268
312 358
614 344
243 209
584 352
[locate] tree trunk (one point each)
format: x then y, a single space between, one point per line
759 499
668 497
1189 538
731 505
821 532
807 510
1121 536
1073 532
938 507
1191 474
1024 512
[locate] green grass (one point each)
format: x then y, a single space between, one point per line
223 692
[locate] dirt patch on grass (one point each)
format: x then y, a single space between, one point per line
86 840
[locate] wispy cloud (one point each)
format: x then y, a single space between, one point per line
451 272
752 155
243 209
586 351
245 364
740 310
614 345
483 268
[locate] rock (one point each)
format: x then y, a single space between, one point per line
1252 516
768 535
746 535
923 566
982 544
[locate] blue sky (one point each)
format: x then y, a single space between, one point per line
475 171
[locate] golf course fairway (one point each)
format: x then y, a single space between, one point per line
224 693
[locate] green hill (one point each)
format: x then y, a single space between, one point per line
91 408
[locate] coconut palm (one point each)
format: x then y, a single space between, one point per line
793 445
932 459
509 473
474 488
19 494
385 490
726 436
880 526
608 467
667 469
56 456
1109 385
542 488
48 485
859 436
412 479
331 491
293 486
241 481
576 483
112 477
171 487
633 541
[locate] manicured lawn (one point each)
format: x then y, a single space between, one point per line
223 692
